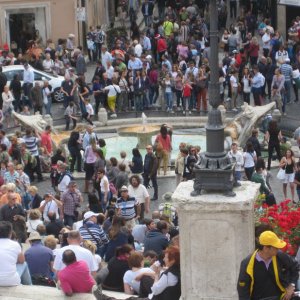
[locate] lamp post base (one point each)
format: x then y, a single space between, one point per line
210 177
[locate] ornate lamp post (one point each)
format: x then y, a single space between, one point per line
215 169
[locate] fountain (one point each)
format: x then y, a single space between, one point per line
143 132
237 129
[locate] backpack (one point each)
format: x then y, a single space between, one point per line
99 37
63 175
167 210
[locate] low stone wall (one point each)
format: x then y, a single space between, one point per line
34 292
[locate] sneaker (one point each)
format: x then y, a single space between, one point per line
190 112
172 111
234 109
194 109
284 114
113 115
183 112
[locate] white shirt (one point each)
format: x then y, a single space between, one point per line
28 76
164 281
247 86
233 81
63 185
129 278
140 193
50 206
89 110
266 38
80 253
9 252
110 72
105 57
238 159
112 90
33 224
104 180
138 50
249 159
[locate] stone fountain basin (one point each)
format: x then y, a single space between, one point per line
136 130
143 133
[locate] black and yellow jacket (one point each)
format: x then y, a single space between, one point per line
286 270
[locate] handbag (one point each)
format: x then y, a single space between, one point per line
42 280
281 174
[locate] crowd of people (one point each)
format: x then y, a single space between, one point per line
111 243
166 65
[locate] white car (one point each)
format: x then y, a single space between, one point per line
54 80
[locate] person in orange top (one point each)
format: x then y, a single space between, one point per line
5 190
163 148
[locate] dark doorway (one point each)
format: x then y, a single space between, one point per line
291 13
22 30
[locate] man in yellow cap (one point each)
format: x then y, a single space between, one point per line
268 273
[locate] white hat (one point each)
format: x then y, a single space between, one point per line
123 188
149 57
89 214
287 60
71 35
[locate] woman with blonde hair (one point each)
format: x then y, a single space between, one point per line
34 219
253 51
87 244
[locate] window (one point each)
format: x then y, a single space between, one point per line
41 77
10 74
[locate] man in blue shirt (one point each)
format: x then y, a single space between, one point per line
38 257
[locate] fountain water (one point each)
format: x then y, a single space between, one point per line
143 132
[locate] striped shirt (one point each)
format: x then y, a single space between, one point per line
98 236
286 71
32 144
127 207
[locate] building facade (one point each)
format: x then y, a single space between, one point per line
21 21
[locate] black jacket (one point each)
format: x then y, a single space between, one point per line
171 292
285 267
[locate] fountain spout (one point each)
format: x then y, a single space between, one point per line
144 121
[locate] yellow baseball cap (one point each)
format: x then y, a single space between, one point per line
269 238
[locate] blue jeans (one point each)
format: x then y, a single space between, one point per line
69 220
104 205
138 102
237 175
287 95
169 99
24 273
48 106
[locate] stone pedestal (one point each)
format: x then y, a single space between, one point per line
102 116
216 233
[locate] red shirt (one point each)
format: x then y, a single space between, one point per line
166 143
187 91
46 141
161 45
76 278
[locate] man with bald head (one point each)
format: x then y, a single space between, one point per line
74 241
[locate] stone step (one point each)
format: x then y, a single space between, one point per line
35 292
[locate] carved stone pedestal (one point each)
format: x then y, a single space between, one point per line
216 233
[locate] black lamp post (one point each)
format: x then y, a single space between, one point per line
215 170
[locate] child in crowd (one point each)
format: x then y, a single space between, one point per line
89 111
70 115
186 93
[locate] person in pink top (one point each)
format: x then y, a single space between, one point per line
163 148
75 277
